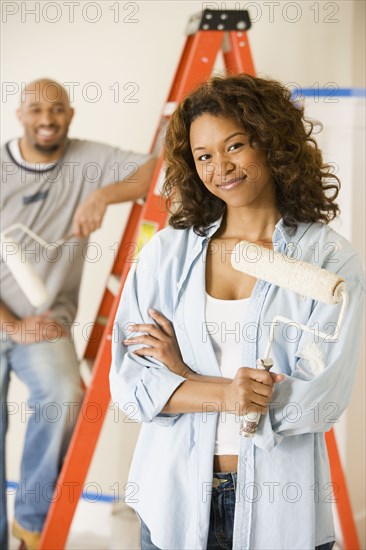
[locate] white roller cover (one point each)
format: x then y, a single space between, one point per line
278 269
23 272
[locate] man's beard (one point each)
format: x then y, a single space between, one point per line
47 149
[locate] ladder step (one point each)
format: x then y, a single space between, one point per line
101 320
169 108
113 285
86 371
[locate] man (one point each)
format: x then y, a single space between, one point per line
57 187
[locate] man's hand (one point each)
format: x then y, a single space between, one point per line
35 329
89 215
162 343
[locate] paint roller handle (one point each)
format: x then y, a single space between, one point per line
250 421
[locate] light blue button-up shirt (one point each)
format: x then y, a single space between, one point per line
284 494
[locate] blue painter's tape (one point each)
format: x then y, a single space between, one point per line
96 497
329 92
12 485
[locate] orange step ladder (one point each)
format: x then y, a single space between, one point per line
208 33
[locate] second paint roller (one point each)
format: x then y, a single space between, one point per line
296 275
22 270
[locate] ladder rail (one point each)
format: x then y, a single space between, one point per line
343 502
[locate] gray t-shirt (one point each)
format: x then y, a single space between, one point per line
45 198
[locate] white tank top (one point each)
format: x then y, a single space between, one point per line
224 323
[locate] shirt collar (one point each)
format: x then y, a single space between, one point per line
284 235
214 227
13 149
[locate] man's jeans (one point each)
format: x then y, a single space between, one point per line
220 536
51 373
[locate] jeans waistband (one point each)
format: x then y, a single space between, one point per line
224 480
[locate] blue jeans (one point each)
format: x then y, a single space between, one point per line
50 371
220 535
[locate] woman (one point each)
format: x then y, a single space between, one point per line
241 165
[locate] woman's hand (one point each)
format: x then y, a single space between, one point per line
250 391
162 343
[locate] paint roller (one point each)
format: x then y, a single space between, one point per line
23 271
295 275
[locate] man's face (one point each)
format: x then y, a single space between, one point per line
45 114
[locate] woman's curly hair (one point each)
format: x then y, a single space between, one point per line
305 187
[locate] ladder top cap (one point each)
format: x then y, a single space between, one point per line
219 20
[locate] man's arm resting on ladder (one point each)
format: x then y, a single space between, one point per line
89 215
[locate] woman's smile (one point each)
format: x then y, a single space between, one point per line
234 183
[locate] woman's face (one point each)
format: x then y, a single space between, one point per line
227 165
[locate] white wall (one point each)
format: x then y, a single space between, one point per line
304 42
